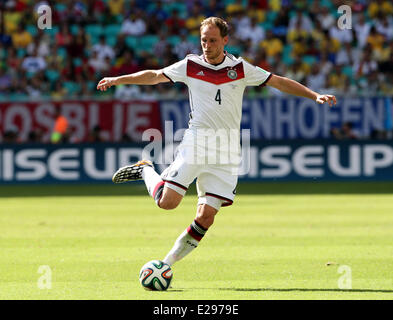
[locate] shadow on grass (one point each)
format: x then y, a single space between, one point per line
305 290
251 188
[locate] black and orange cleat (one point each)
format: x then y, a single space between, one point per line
132 172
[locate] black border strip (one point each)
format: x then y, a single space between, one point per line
167 77
204 229
176 184
229 201
264 83
203 309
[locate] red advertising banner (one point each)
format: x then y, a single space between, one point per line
116 119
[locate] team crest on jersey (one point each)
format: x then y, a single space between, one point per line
232 74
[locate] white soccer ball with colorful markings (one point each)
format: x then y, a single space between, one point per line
156 275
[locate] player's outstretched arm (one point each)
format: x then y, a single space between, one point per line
146 77
293 87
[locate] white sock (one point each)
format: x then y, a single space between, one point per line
183 246
185 243
153 182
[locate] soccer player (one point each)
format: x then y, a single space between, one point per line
216 82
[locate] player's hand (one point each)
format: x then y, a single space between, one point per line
106 83
330 99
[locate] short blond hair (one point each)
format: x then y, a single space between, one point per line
221 24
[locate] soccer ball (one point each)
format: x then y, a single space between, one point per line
156 275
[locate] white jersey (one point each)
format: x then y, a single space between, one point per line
216 91
216 96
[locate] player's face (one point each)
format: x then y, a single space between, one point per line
213 44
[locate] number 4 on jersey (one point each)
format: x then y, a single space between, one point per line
218 96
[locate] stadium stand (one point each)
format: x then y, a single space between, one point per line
294 36
92 39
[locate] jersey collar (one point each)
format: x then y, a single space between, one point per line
217 64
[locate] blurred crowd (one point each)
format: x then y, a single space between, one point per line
92 39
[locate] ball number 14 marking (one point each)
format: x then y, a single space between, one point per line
218 96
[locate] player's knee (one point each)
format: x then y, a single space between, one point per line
170 199
168 203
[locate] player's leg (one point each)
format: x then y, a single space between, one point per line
169 188
166 197
190 238
169 199
205 215
209 203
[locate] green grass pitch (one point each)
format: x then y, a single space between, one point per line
278 241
